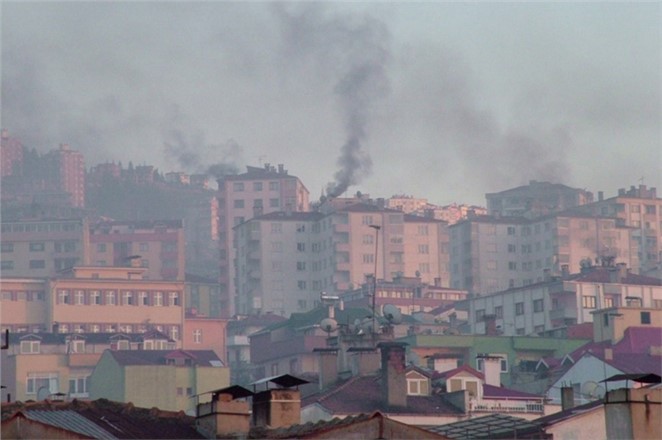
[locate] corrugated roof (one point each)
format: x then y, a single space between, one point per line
69 420
484 427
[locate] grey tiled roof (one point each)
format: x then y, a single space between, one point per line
69 420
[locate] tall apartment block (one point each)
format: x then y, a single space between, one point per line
285 260
491 254
157 245
65 170
11 159
243 196
42 248
641 209
536 199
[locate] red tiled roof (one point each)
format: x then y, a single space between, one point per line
492 392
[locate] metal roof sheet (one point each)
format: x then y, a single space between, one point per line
69 420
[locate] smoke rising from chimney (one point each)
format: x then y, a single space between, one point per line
355 50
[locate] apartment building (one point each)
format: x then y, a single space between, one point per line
65 170
244 196
452 213
158 246
36 366
278 263
94 299
285 259
11 158
536 199
42 248
640 208
562 301
490 253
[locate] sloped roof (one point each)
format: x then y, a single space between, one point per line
463 369
362 394
335 427
106 419
156 357
485 427
492 392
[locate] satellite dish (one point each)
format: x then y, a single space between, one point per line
393 314
592 389
329 325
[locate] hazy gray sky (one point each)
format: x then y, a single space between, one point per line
440 100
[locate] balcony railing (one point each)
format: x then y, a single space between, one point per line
507 406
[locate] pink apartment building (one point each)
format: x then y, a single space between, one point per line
242 197
65 169
11 159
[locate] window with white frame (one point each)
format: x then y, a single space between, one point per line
78 386
127 298
110 298
80 297
38 383
417 386
174 298
158 299
30 346
63 296
95 297
143 299
174 332
197 336
76 346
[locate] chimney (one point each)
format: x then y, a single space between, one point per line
622 269
601 196
567 398
609 354
328 366
565 271
224 414
363 360
491 369
278 407
394 380
281 169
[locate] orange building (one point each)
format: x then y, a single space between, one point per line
94 299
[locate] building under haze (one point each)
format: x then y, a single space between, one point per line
641 209
490 254
65 171
536 199
244 196
11 155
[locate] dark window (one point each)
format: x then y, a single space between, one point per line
645 317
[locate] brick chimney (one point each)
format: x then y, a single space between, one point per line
328 366
226 414
278 407
394 379
567 398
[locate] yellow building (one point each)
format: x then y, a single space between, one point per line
166 379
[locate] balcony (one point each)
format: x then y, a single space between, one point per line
559 314
238 340
508 406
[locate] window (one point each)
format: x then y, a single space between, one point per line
301 265
276 228
423 249
511 230
368 258
302 304
78 386
30 347
80 297
95 297
274 186
651 209
143 298
238 186
479 315
38 383
110 298
158 299
645 317
37 264
519 308
417 387
301 247
63 297
257 186
274 203
128 298
512 248
512 265
301 285
77 346
366 220
588 301
174 298
174 332
7 265
239 203
7 247
538 305
368 239
498 311
197 336
144 247
37 247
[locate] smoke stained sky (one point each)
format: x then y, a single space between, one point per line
444 100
